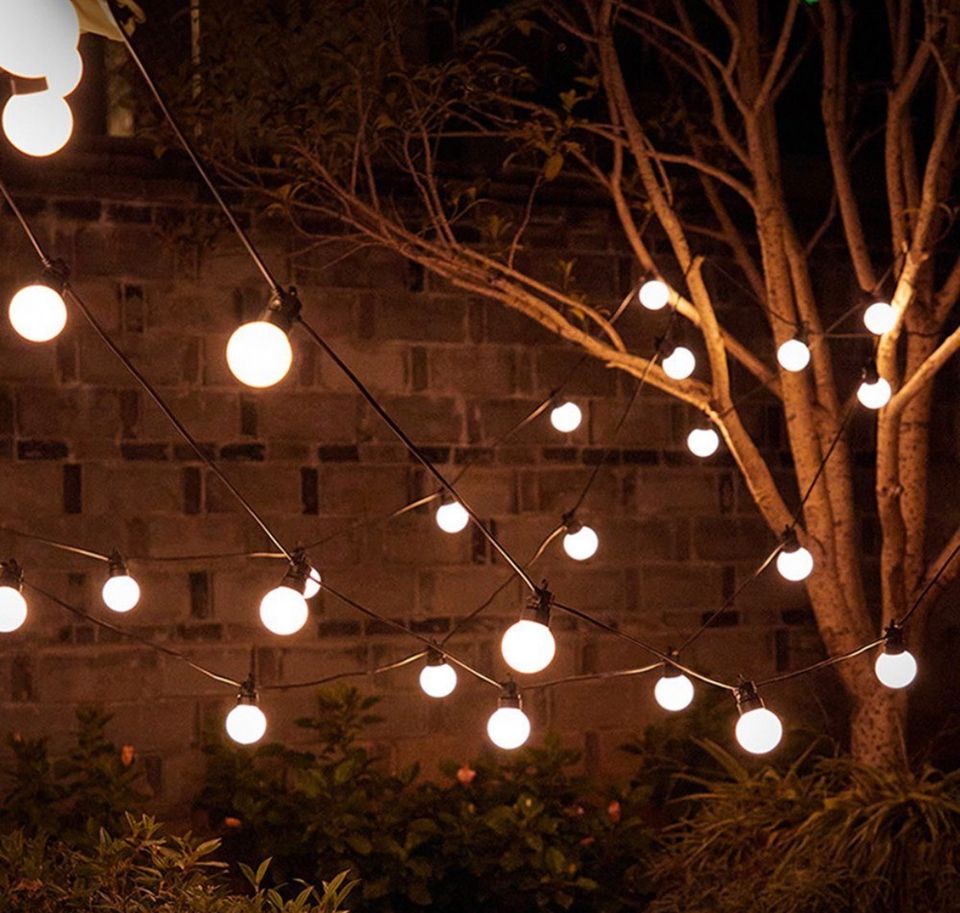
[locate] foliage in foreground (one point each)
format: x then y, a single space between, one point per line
840 837
140 871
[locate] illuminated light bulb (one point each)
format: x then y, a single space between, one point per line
654 294
528 646
246 723
438 678
874 391
680 363
508 726
13 607
794 562
259 354
794 355
452 517
566 417
879 318
121 592
673 691
895 666
38 124
37 312
703 442
284 609
313 584
35 33
758 730
580 542
64 73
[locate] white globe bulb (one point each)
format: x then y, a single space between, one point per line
246 724
879 318
528 646
654 294
283 610
896 670
35 33
793 355
259 354
582 544
795 565
312 585
438 681
64 73
703 442
37 313
875 395
451 517
121 593
680 363
759 731
508 728
674 692
566 417
13 609
38 124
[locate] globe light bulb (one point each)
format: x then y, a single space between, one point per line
793 355
875 394
654 294
566 417
37 124
879 318
121 592
758 730
438 678
259 354
896 666
37 313
246 724
703 442
13 607
581 543
64 73
451 517
35 33
284 609
313 584
795 564
673 691
680 363
528 646
508 726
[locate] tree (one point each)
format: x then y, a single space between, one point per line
342 118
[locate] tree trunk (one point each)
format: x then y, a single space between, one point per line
877 721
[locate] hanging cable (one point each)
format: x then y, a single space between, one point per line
930 585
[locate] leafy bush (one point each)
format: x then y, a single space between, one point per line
841 836
137 872
526 835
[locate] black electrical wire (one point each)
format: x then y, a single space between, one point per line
55 543
930 585
25 225
340 676
815 667
593 677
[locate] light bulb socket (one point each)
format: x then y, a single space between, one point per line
789 542
248 693
435 657
802 334
510 696
670 670
570 523
297 574
870 373
55 275
117 566
893 644
747 698
538 607
11 575
283 309
27 85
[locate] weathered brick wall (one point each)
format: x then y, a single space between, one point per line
86 458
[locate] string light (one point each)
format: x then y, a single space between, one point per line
758 730
13 607
874 391
566 417
703 442
528 645
37 311
895 666
452 517
284 609
35 34
879 318
580 542
680 363
312 584
794 354
259 352
794 562
438 678
673 691
121 592
654 294
508 726
38 124
64 73
246 723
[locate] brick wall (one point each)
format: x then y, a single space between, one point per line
87 459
